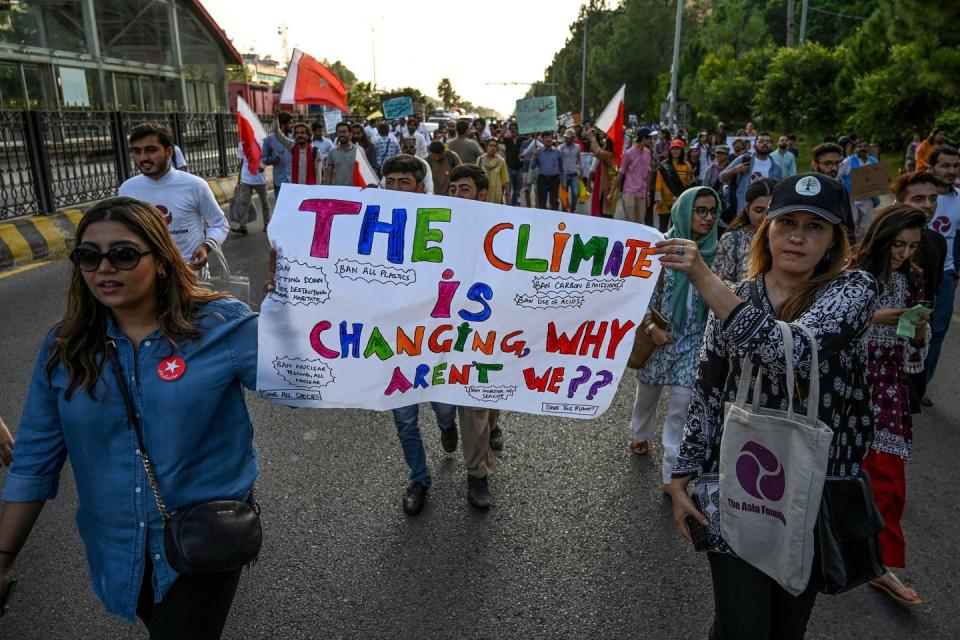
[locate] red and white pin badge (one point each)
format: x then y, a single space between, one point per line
171 369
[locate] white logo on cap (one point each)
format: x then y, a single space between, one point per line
808 186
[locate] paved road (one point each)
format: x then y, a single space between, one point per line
579 543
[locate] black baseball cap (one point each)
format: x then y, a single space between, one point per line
812 192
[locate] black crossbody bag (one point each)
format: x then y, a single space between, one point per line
218 535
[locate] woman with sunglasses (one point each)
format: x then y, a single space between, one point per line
733 251
674 363
887 253
185 354
797 275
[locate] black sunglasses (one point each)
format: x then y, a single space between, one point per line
122 257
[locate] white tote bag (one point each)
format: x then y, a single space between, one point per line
772 468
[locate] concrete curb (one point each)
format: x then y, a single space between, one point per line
44 237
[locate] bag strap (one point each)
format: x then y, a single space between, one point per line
658 293
813 394
747 372
134 423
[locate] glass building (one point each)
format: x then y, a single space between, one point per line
141 55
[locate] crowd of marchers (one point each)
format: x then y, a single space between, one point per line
765 269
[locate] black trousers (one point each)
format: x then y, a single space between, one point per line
748 604
663 222
195 607
548 186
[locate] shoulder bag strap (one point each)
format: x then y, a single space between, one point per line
134 423
813 394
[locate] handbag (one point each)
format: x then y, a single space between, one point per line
217 274
643 344
848 550
773 465
207 537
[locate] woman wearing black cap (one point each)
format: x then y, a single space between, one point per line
796 275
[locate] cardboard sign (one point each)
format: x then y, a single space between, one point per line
537 114
398 107
331 118
869 180
385 299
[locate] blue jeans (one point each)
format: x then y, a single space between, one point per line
572 182
942 315
407 420
515 175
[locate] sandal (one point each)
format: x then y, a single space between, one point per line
878 584
639 448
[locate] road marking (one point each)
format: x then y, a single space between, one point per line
29 267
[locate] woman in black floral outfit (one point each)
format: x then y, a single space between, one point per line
796 275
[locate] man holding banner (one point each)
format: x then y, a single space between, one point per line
481 433
405 173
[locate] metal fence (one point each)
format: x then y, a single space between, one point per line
54 159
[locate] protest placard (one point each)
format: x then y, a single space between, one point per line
398 107
869 180
749 140
385 299
537 114
331 118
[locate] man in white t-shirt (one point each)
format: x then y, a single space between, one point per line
193 216
411 132
751 167
242 210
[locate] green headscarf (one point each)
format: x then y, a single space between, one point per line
681 215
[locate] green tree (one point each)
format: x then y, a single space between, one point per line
898 100
447 95
363 99
347 77
797 89
724 85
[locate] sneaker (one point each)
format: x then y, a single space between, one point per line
478 492
449 438
496 439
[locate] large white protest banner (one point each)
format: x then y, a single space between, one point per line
385 299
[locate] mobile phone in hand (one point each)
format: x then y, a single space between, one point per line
698 532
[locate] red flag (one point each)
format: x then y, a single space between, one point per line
363 173
611 123
309 82
251 133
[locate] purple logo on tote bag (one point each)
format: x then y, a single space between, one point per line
760 473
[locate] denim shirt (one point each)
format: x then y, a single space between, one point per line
196 429
273 148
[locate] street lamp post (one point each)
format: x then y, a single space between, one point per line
583 71
674 70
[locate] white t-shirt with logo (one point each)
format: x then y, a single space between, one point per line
246 177
945 221
761 168
187 203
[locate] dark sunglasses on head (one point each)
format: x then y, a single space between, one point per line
122 257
